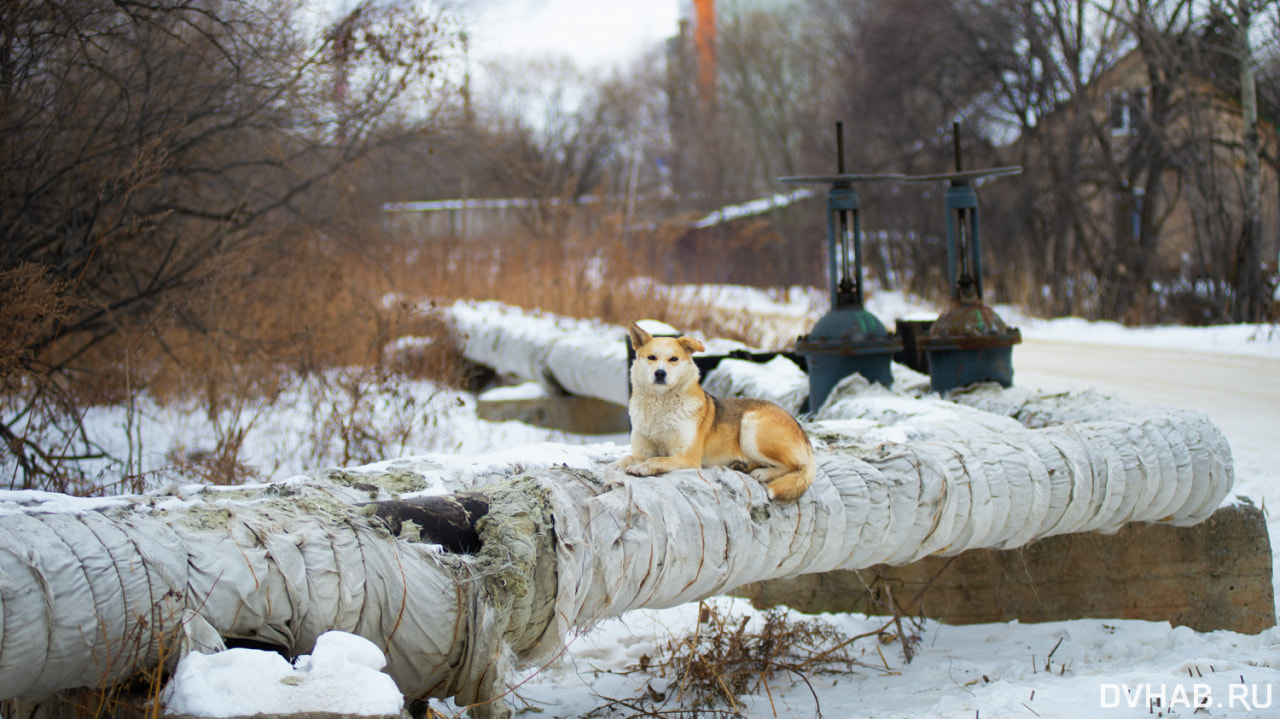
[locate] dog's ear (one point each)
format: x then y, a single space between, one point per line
691 344
639 338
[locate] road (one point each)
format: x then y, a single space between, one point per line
1240 394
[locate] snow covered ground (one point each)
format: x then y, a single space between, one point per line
1098 668
1083 668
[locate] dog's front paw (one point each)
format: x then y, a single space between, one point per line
646 468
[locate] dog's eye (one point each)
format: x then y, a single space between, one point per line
675 359
652 357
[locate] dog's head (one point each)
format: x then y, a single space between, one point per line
662 362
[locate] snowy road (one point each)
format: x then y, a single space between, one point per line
1240 394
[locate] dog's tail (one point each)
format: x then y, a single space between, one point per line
789 486
785 452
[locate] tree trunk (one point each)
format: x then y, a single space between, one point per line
456 589
1250 290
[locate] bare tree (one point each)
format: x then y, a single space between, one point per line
1250 291
904 73
1249 300
150 146
773 87
1116 116
1216 148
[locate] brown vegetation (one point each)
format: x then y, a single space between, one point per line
709 670
162 160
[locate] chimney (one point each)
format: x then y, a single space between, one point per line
704 42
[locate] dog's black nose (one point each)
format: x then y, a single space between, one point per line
660 376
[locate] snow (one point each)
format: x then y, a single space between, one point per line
278 444
342 675
1104 668
754 207
1240 339
799 302
524 390
30 501
987 670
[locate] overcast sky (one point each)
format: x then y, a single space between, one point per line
597 34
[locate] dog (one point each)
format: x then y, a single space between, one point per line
675 424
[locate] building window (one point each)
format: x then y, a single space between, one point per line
1128 208
1127 110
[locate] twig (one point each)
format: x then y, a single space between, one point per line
897 614
640 711
897 620
817 705
733 701
764 679
1048 661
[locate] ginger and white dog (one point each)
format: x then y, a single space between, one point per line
677 425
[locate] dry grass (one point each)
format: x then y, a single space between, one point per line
31 302
709 670
317 307
293 310
585 277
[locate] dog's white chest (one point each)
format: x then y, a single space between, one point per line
668 426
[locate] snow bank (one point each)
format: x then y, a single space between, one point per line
1249 340
342 675
961 672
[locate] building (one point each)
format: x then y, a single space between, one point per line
1142 181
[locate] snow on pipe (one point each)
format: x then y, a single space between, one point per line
588 358
581 357
91 596
891 504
